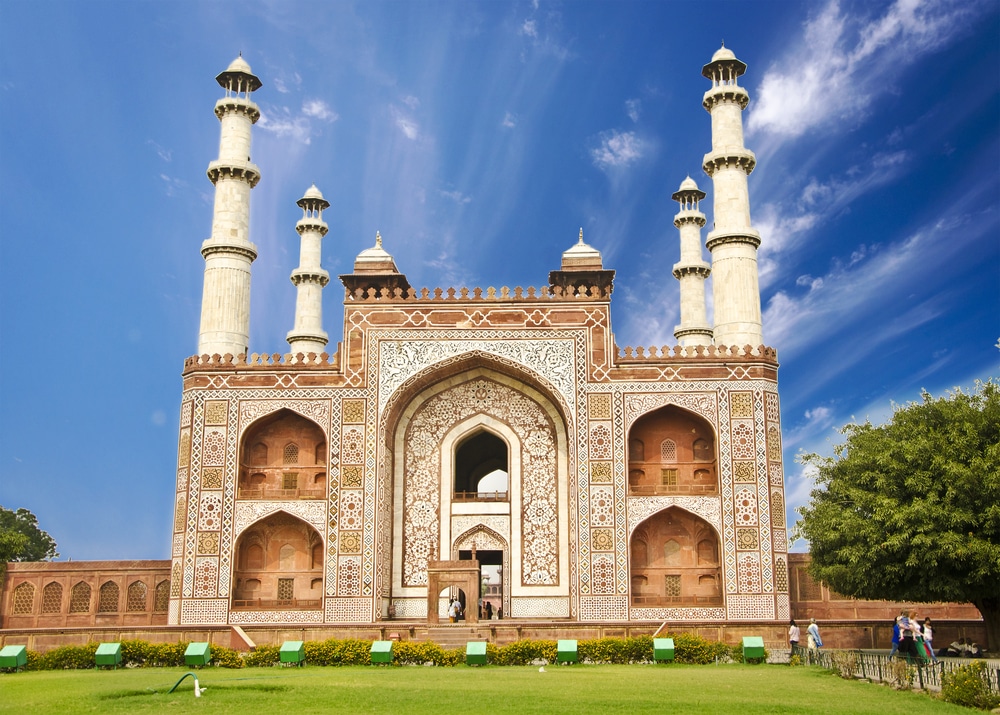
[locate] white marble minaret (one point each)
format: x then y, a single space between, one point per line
225 302
309 278
691 270
733 242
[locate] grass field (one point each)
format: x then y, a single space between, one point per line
574 689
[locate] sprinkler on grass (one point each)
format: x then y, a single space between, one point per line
197 690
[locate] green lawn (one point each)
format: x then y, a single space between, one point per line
577 689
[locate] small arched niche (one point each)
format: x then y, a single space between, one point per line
481 468
278 560
682 460
674 561
279 456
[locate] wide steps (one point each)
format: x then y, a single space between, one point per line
455 636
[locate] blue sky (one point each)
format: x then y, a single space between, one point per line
478 138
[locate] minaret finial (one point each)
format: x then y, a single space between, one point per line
581 235
378 240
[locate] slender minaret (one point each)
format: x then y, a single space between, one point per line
691 270
308 335
225 301
733 242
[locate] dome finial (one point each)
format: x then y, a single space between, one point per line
581 236
378 240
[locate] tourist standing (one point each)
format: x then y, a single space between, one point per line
812 632
793 636
929 639
895 634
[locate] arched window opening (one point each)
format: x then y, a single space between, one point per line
24 599
161 597
275 450
685 462
682 566
52 597
79 598
481 468
107 598
278 558
135 597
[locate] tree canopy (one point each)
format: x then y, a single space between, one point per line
22 540
910 510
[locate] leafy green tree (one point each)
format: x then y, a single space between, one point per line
22 540
910 510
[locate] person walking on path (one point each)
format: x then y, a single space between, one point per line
929 639
895 635
793 637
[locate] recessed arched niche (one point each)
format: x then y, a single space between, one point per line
283 456
672 451
674 561
278 562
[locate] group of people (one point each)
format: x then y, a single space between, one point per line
813 640
912 637
963 648
486 613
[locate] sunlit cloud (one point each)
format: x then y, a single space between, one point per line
831 77
318 109
161 152
632 109
457 196
509 120
409 127
529 28
617 150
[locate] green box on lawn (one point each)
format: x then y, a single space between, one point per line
381 652
475 653
108 654
753 647
663 649
198 654
13 656
566 652
292 652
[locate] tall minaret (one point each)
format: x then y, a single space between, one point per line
225 301
308 335
733 242
691 270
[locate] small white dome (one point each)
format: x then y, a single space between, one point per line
723 53
688 185
582 257
313 193
239 65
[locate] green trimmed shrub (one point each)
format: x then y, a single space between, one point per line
966 685
525 652
414 653
338 652
263 656
690 648
224 657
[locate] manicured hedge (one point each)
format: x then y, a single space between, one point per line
142 654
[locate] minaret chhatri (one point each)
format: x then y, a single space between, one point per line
225 302
733 242
691 270
309 278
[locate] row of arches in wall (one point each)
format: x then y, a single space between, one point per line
23 601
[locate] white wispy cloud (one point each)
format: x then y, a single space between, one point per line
405 124
529 28
318 109
457 196
509 120
632 108
161 152
843 62
617 150
411 101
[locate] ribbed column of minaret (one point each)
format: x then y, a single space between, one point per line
225 302
733 242
691 270
309 278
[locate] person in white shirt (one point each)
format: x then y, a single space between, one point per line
793 636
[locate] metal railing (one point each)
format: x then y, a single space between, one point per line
271 604
480 496
651 489
273 493
878 666
655 600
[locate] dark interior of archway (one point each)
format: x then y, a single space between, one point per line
485 558
476 457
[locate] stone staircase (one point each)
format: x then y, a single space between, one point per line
456 635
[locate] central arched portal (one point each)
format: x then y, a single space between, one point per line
482 452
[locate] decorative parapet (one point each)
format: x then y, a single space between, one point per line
491 294
323 361
630 355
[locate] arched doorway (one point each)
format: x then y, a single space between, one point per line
674 560
672 451
279 565
283 456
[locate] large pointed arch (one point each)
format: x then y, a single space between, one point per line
282 455
672 451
